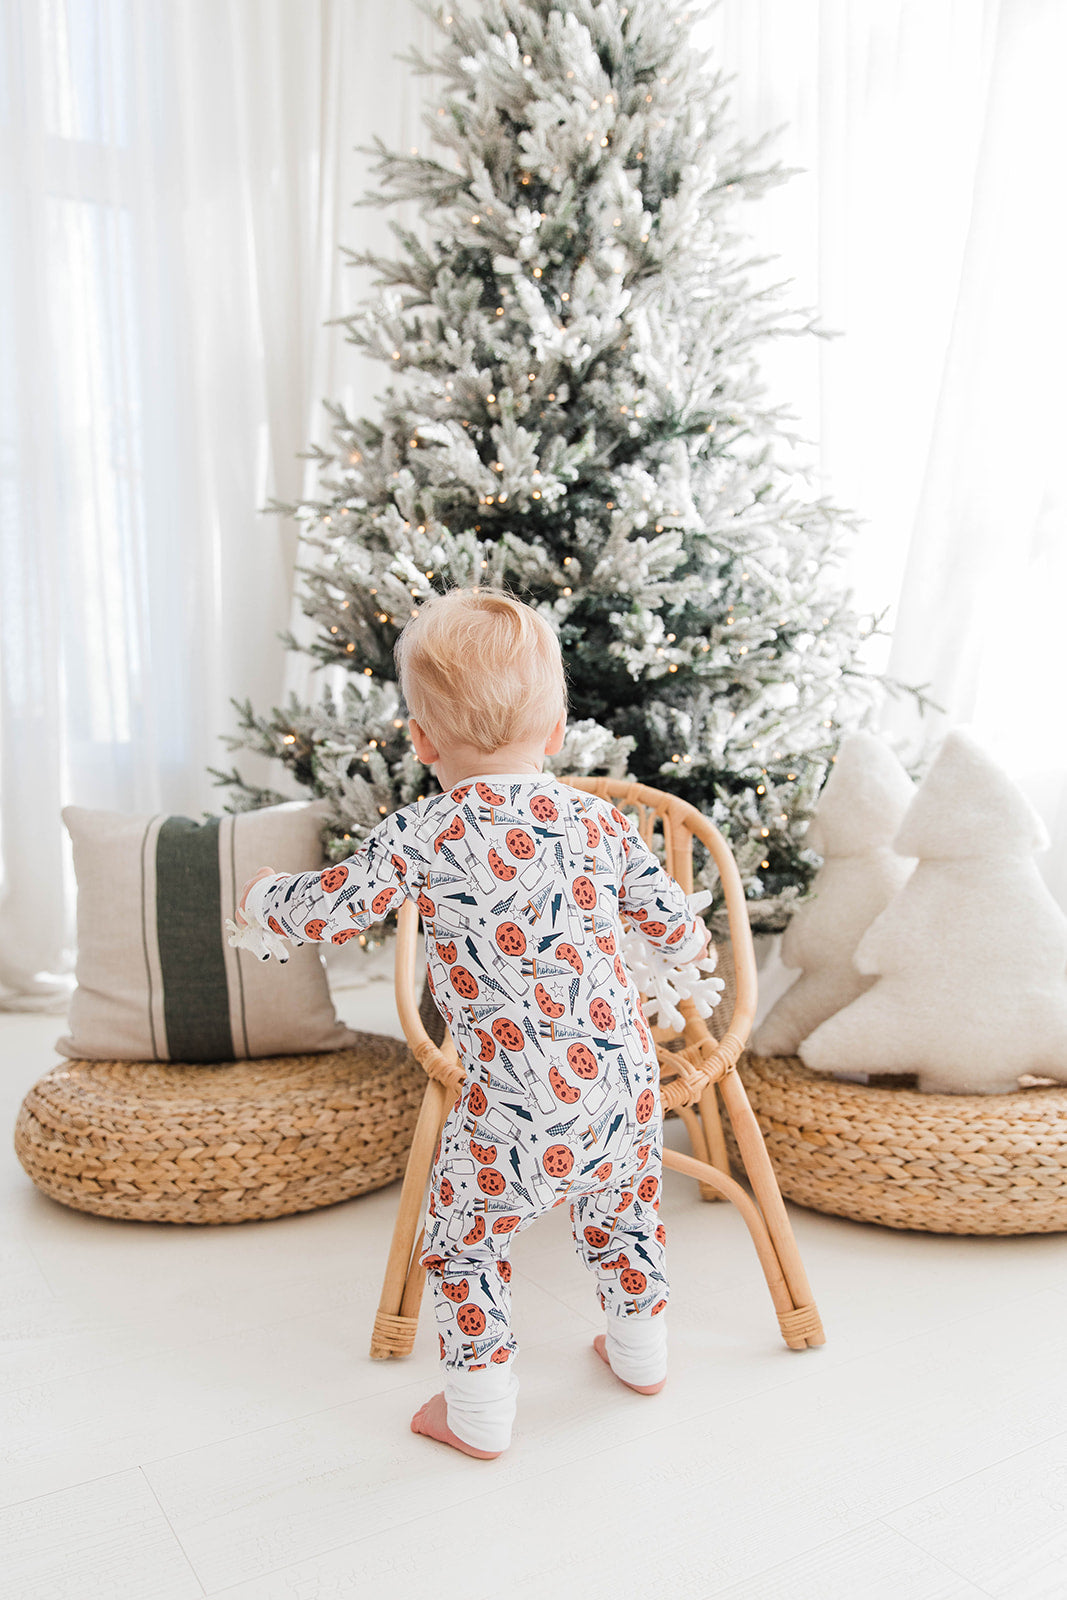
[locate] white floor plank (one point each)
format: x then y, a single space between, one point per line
873 1563
106 1540
1005 1527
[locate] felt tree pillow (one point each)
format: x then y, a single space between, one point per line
157 980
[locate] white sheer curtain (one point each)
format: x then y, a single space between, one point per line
175 179
928 225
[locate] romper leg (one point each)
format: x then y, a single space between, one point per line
620 1237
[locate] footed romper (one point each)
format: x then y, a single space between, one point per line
521 882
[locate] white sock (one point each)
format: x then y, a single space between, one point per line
637 1348
481 1405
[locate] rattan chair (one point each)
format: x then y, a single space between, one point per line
696 1070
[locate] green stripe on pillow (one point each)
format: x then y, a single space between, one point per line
196 1004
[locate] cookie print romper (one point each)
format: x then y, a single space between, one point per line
520 882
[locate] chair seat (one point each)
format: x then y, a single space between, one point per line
168 1142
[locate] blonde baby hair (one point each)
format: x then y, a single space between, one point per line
480 669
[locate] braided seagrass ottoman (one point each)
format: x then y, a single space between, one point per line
163 1142
939 1163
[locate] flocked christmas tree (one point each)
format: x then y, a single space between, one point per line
574 411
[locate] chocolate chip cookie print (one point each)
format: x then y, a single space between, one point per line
521 883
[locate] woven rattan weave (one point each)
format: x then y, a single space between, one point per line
163 1142
939 1163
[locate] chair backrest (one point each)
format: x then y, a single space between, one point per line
697 1058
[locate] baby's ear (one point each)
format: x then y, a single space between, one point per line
554 742
424 747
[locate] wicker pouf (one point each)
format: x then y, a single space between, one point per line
164 1142
942 1163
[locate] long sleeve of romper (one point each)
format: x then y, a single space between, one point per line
339 902
650 897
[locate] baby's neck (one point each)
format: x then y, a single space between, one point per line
511 760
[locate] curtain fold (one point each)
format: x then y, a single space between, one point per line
980 616
175 182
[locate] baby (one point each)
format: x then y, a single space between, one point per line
521 882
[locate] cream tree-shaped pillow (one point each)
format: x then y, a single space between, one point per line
970 958
859 812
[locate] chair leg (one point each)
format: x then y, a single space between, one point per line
695 1129
714 1138
730 1189
398 1310
803 1321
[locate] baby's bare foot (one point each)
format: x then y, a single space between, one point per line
600 1345
432 1420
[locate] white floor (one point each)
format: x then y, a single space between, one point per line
189 1412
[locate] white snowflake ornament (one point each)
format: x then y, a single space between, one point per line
663 986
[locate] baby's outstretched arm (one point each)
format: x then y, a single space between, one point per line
652 900
335 904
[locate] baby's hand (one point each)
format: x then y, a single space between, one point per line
707 940
239 915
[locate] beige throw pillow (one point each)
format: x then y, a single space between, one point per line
156 978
